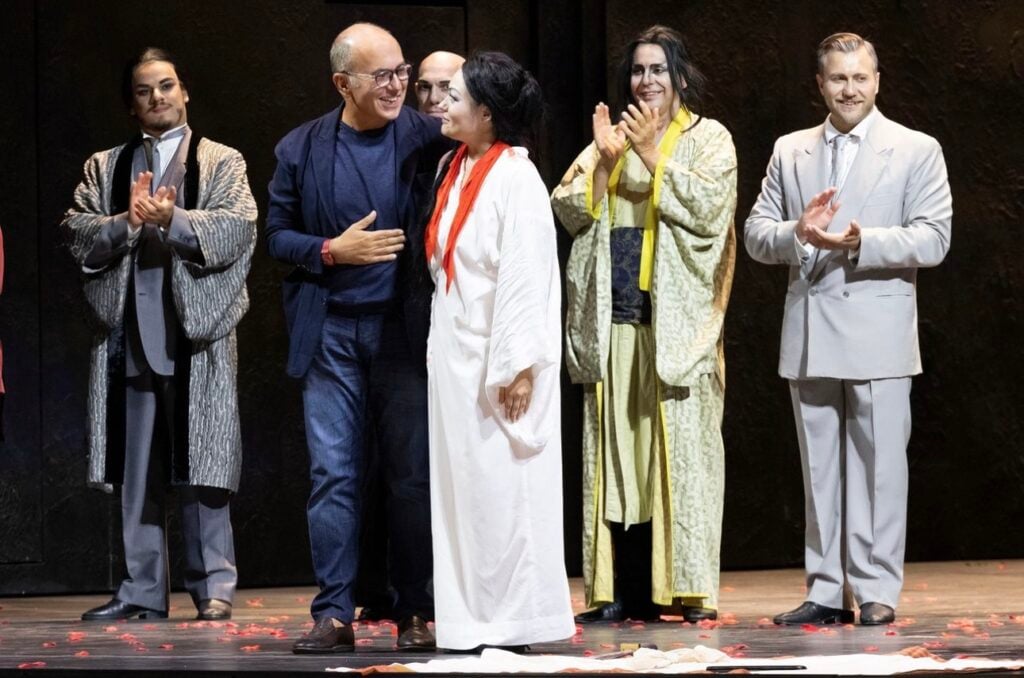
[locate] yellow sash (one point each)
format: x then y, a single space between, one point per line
675 129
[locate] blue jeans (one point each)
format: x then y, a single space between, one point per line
363 376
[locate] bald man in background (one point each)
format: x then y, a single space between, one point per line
374 594
435 72
341 201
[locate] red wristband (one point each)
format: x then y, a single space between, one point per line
325 253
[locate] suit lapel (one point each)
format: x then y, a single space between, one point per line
322 156
868 167
812 173
811 166
174 175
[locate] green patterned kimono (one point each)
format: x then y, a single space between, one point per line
694 256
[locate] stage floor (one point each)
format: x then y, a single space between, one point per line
951 608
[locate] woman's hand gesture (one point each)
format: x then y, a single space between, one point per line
641 124
609 139
516 396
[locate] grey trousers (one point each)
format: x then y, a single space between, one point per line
853 447
205 514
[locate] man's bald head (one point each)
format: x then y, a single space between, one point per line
351 46
435 72
370 74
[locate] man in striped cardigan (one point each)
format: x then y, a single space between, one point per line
163 228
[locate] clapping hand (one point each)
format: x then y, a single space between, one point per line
816 216
159 207
609 139
139 192
640 124
847 240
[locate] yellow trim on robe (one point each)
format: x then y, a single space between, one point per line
675 129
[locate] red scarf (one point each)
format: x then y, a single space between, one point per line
467 196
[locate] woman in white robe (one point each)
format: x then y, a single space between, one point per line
493 361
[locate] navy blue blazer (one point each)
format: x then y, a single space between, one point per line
301 215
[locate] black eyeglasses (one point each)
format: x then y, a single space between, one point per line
383 76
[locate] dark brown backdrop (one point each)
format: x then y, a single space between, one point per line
259 67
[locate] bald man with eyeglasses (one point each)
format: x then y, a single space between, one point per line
341 201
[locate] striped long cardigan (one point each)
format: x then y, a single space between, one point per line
210 299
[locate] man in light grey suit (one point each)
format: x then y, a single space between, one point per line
854 207
163 228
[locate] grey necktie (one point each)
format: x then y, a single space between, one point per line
147 147
152 160
838 142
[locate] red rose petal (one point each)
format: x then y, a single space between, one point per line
49 643
250 648
254 602
82 653
167 646
364 641
31 665
871 648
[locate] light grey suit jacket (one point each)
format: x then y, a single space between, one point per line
846 318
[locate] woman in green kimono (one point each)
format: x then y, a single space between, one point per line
650 205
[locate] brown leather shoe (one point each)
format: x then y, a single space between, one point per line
214 609
328 635
414 635
875 614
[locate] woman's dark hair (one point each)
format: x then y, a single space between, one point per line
143 57
686 79
513 96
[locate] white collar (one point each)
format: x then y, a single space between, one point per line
858 132
175 133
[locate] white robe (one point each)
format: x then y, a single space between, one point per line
496 486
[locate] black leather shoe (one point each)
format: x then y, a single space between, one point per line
327 636
214 609
873 614
414 635
118 609
517 649
609 612
375 613
812 613
698 614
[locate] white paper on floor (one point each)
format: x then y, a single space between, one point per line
689 660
